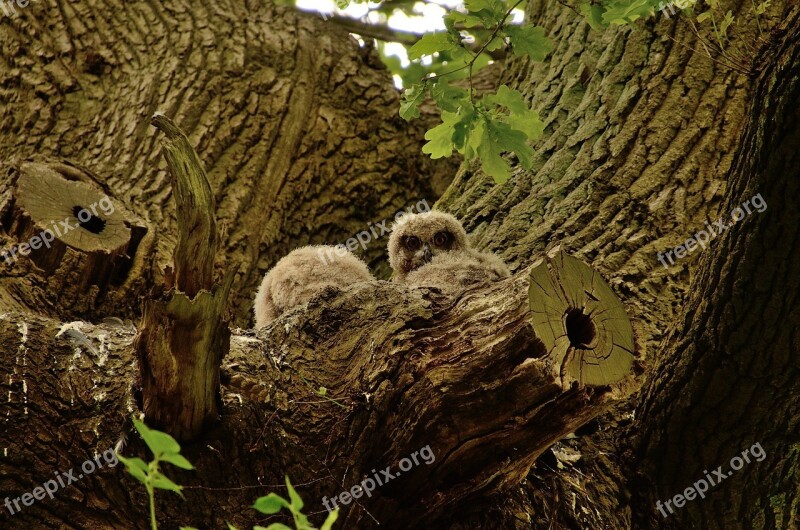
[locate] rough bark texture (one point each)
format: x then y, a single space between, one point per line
729 375
469 380
642 135
72 268
297 126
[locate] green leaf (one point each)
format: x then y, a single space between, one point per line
431 43
158 442
190 528
451 134
529 40
297 502
622 12
463 127
136 467
492 163
491 12
495 44
270 504
726 22
510 139
513 100
230 526
520 116
301 521
332 516
594 16
466 19
448 97
273 526
412 97
702 17
134 462
529 123
163 483
496 138
474 137
440 138
176 460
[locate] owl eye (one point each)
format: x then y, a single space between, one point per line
412 243
442 239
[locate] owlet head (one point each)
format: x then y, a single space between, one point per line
417 238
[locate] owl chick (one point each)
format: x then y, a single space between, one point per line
431 250
303 273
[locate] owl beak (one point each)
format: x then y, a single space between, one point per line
426 254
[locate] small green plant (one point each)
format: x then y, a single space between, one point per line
164 449
484 129
273 503
322 392
730 46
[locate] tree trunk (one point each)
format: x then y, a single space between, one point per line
729 374
299 132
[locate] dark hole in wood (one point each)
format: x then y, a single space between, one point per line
92 223
580 329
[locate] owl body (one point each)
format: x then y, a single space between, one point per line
303 273
456 271
432 250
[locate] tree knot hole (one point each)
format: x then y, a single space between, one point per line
88 220
580 329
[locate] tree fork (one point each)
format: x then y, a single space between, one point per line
184 336
488 381
413 368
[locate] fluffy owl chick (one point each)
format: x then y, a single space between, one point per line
431 250
303 273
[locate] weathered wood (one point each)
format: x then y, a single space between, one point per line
641 133
581 321
470 378
193 257
63 228
286 110
403 368
728 375
183 335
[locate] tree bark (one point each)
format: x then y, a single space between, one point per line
297 125
643 145
729 374
469 380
